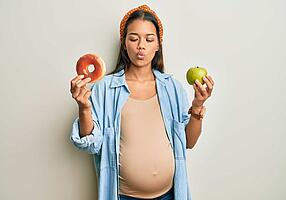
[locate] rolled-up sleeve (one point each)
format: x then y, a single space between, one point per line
89 143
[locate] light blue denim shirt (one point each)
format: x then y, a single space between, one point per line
107 99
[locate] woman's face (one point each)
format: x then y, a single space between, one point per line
141 42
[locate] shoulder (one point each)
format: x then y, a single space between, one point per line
170 80
102 83
100 91
176 83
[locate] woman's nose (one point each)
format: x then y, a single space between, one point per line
141 44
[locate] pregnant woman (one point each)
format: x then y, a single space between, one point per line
136 121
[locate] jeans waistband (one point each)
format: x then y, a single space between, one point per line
168 195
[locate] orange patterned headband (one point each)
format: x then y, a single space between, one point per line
146 9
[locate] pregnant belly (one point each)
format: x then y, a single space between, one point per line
146 171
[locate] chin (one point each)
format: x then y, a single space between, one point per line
141 63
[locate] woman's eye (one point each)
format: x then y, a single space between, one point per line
135 39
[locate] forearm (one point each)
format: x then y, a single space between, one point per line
194 126
193 131
85 122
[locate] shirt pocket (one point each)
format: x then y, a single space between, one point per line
179 136
108 148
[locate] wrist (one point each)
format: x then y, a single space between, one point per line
197 112
82 110
197 109
197 103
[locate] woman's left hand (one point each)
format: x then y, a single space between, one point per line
202 92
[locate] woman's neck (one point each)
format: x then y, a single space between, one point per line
139 73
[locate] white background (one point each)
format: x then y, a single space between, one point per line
241 152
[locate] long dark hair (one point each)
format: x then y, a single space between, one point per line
123 59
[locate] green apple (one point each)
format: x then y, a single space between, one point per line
196 73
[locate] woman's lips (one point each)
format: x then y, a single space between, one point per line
140 55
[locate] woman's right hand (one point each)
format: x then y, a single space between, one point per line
80 92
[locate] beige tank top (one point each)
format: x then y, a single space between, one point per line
146 162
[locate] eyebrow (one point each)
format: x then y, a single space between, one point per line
138 34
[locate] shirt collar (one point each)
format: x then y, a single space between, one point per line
118 78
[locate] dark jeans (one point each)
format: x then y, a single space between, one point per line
167 196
